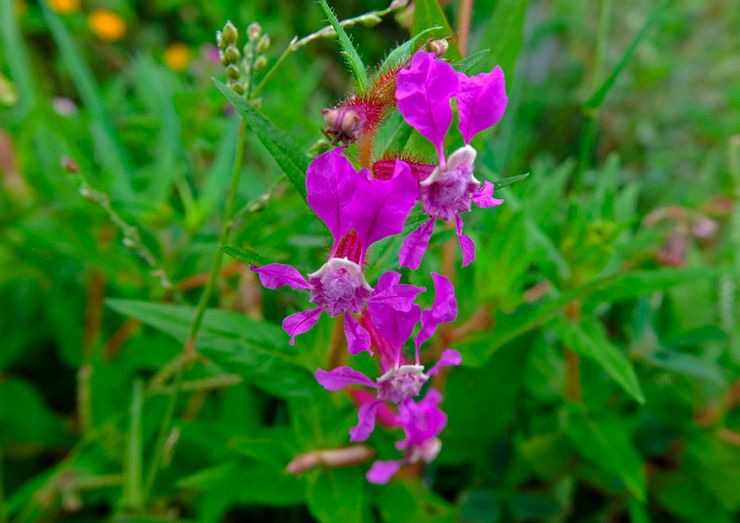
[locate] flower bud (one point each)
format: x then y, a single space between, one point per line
220 40
231 55
263 44
238 89
232 72
230 34
342 125
438 47
370 20
260 63
254 31
70 165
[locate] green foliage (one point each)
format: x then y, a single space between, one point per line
598 326
286 153
354 62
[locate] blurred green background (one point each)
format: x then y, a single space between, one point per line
598 325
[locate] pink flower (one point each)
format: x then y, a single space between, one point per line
358 212
389 329
422 422
424 91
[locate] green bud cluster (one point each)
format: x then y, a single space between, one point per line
241 65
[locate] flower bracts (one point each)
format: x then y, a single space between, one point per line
361 207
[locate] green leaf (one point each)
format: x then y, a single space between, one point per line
288 155
639 283
500 183
248 256
504 34
588 339
257 350
606 442
427 14
596 100
401 54
348 50
468 63
16 56
25 418
337 495
409 501
107 144
495 388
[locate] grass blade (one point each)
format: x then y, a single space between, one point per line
403 52
288 155
108 148
505 35
348 50
16 56
596 100
428 13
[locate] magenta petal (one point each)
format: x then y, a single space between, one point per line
365 421
275 275
448 358
387 280
415 245
342 377
481 102
381 472
331 181
358 339
380 207
466 244
394 325
300 322
423 92
400 297
483 197
443 310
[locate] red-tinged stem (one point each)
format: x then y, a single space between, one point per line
466 13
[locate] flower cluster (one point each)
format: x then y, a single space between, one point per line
361 207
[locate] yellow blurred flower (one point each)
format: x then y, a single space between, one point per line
65 6
178 56
107 25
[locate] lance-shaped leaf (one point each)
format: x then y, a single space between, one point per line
288 155
348 50
590 341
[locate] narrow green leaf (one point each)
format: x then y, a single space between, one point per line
248 256
605 442
596 100
639 283
428 13
588 339
133 493
16 56
257 350
504 34
107 144
500 183
348 49
469 63
286 153
401 54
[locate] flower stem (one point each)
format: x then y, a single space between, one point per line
463 26
189 348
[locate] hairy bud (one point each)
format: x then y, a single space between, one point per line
260 63
438 47
342 124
